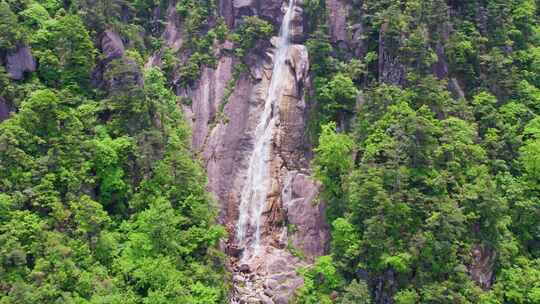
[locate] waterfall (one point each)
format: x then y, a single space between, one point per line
255 190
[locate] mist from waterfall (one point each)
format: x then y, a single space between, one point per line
256 187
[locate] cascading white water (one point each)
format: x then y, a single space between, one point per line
257 184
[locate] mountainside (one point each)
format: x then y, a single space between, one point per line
269 151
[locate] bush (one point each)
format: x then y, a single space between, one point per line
251 29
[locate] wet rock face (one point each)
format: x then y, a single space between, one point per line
297 25
440 68
224 145
344 34
226 11
292 110
20 61
223 129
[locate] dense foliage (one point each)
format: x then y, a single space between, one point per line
432 189
101 200
426 126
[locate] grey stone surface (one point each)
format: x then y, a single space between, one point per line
338 11
20 61
112 45
223 135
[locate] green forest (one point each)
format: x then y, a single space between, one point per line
428 181
431 178
101 200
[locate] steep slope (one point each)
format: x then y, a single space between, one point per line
427 175
101 198
254 146
241 89
356 151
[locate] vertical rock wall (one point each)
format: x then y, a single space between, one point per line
223 130
224 122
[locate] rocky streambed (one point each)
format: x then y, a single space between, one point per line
271 278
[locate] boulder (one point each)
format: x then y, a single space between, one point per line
19 62
244 268
234 251
338 11
126 73
271 284
112 45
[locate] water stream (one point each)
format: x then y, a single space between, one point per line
258 179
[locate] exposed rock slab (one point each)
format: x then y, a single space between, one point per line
173 35
305 215
272 279
209 95
19 62
226 11
482 266
345 33
112 45
4 110
440 68
223 134
128 73
338 11
226 148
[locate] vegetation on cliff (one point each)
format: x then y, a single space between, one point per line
425 121
431 177
101 200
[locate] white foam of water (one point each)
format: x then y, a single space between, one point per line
257 184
